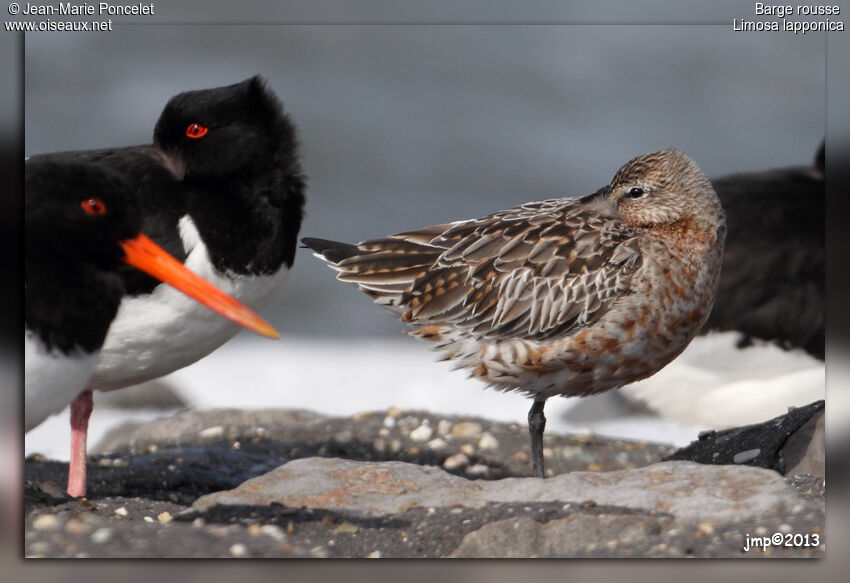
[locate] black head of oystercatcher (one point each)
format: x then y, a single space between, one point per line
221 189
81 224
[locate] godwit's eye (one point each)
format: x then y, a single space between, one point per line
635 192
94 206
196 131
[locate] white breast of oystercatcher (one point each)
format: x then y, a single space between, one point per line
155 334
42 368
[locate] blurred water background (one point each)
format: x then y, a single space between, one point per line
406 126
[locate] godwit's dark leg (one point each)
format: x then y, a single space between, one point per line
81 409
536 425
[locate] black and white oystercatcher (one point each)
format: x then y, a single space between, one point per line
81 224
221 188
569 296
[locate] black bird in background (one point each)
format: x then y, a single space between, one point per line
772 283
82 224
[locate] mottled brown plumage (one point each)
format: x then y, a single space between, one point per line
568 296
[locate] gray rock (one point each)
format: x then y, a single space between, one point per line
689 492
805 450
564 537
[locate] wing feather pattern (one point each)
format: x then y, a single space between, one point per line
536 271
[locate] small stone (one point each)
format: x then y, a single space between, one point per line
395 446
437 444
254 529
344 436
238 550
455 461
389 422
487 441
743 457
520 456
211 432
46 522
760 531
444 426
467 448
384 432
76 526
104 462
594 467
39 548
374 555
346 528
785 527
421 433
379 445
164 517
706 528
236 445
394 412
477 470
148 519
273 531
466 429
199 522
152 448
101 535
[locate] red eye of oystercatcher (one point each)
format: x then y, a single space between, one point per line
196 131
93 206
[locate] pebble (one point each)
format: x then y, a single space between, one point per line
437 444
389 422
121 511
346 528
394 412
466 429
164 517
39 548
238 550
76 526
706 528
211 432
374 555
455 461
273 531
760 531
477 470
487 441
344 436
422 433
102 535
199 522
743 457
46 522
148 519
467 449
444 426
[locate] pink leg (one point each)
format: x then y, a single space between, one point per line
80 412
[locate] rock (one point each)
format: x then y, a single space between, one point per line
565 537
805 450
766 445
307 485
687 491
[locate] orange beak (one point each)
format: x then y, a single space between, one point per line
144 254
